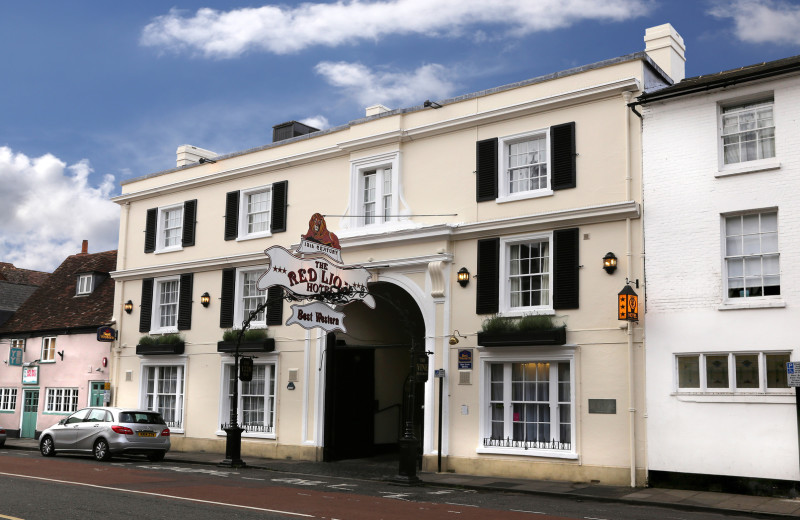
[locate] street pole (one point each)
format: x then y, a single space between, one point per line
440 374
409 445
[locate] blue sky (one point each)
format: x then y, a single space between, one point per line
93 93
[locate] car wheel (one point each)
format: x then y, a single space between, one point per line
47 447
101 451
156 457
2 443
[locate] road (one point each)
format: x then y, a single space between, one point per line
67 487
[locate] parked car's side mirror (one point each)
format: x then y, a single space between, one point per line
62 422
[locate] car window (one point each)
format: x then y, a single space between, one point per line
141 418
96 416
78 416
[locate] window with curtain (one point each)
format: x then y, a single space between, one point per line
164 393
751 255
748 132
529 274
526 164
256 404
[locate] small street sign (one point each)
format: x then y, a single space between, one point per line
793 373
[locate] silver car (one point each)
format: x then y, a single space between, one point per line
106 431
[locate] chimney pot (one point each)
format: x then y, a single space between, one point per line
85 247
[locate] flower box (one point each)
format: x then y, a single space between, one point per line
160 349
523 338
261 345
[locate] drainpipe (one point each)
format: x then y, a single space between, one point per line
629 332
122 261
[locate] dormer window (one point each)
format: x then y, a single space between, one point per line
85 284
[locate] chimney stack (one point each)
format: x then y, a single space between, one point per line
665 47
85 247
188 155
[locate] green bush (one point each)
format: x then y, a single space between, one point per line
527 322
166 339
249 335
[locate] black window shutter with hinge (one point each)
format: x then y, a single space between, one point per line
150 231
488 277
566 268
275 305
562 156
232 215
189 222
486 170
146 307
226 298
279 204
185 302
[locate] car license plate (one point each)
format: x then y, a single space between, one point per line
147 434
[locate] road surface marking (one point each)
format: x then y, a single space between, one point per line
10 517
291 513
460 505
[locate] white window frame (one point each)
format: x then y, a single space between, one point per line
244 195
155 320
8 400
565 354
161 246
503 190
61 400
85 284
270 362
380 163
505 275
755 165
179 364
772 300
48 350
238 306
18 343
731 389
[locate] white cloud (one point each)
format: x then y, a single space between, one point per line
282 30
390 88
762 21
318 122
49 208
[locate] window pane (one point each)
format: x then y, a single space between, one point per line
688 372
776 370
527 165
746 370
717 372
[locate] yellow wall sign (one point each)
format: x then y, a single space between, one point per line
628 304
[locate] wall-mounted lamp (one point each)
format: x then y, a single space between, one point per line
128 306
463 277
61 355
431 104
610 262
454 337
205 299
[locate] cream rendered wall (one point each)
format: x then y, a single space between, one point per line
752 435
437 157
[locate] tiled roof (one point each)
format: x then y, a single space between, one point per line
13 274
12 295
54 305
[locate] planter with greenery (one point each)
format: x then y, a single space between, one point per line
165 344
530 330
254 340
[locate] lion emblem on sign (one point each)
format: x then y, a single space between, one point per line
318 232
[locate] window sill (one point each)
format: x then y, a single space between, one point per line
524 196
755 304
246 435
550 454
749 167
168 250
46 361
734 397
254 236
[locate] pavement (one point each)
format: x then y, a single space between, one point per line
383 469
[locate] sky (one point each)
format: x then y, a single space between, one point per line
95 92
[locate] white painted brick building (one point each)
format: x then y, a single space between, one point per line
723 275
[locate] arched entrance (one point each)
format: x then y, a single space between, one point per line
367 377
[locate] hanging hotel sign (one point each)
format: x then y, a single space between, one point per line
317 314
106 334
315 271
15 357
628 304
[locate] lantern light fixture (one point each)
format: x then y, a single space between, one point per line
610 262
463 277
205 299
128 306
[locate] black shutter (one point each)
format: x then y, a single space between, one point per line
226 298
189 222
185 302
275 305
146 307
279 203
488 277
232 215
150 231
562 156
565 270
486 170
